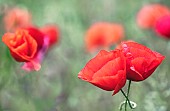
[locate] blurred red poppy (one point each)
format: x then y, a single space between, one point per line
16 18
42 47
52 32
22 45
37 35
103 34
27 45
106 71
149 14
162 26
141 62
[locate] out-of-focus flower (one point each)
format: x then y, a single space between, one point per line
28 45
149 14
52 32
162 26
107 71
103 34
37 35
42 47
141 62
16 18
22 45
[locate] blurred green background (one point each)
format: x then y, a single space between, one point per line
56 86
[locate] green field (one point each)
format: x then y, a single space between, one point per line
56 86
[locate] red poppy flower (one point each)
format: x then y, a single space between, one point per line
42 46
16 18
149 14
22 45
103 35
141 62
106 71
52 32
27 45
162 26
37 35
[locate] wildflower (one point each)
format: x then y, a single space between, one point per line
52 32
141 62
16 18
162 26
22 45
29 45
149 14
103 34
107 71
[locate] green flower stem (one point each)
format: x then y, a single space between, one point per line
127 100
128 90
